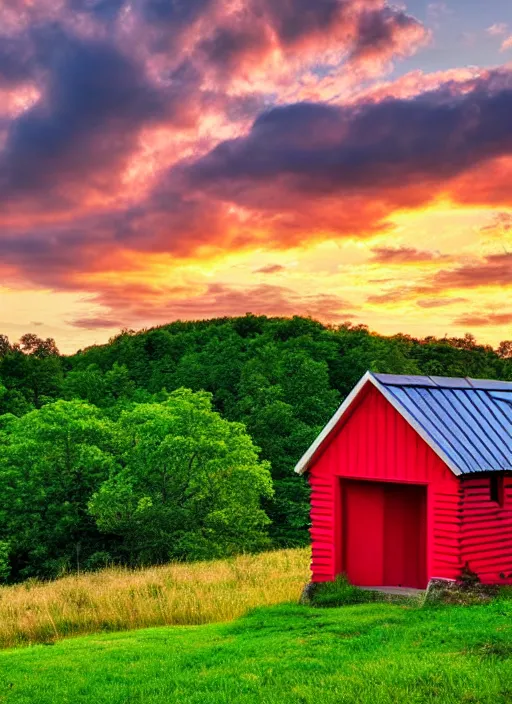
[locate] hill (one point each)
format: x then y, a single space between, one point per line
375 653
282 378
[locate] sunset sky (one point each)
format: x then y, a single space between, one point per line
345 159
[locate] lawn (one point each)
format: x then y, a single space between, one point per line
373 653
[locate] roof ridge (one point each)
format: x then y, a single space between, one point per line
442 382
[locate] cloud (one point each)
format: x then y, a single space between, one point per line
403 255
395 295
172 12
103 10
302 173
160 304
95 323
497 29
439 302
191 102
387 31
350 167
77 137
476 320
501 221
493 270
16 62
270 269
322 148
506 44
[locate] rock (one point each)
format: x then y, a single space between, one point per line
461 591
307 593
438 589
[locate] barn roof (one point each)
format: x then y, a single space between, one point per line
467 422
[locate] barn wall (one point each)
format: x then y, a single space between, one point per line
376 443
486 539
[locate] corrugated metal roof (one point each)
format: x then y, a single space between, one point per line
468 420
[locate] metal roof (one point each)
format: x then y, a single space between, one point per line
467 422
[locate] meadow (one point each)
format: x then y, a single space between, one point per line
119 599
377 653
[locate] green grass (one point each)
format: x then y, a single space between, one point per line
375 653
342 593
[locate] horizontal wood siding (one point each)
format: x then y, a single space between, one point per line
486 536
323 526
376 443
445 530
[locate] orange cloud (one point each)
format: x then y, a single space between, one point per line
491 319
143 304
403 255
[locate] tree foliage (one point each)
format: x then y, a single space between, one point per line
189 486
164 481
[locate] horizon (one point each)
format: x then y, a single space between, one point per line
143 330
348 160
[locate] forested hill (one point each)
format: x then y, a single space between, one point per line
282 378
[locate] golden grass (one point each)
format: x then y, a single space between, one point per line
119 599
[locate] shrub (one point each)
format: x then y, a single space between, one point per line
341 593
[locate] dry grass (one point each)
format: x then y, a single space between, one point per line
119 599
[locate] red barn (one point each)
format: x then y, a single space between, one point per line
412 479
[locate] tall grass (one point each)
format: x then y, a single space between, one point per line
119 599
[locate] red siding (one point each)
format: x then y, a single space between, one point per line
486 539
376 443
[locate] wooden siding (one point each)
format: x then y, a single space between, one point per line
486 536
376 443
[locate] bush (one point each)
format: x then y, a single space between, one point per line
341 593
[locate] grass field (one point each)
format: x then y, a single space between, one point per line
120 599
374 653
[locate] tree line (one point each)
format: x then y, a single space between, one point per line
179 442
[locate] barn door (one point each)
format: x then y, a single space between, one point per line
404 536
363 510
384 536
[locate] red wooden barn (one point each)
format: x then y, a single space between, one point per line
412 479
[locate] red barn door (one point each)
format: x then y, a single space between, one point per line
384 534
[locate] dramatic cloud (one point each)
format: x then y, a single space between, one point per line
76 138
142 138
319 148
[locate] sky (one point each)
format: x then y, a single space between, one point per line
350 160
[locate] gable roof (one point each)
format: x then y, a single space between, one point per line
467 422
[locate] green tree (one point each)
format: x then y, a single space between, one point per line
51 462
285 398
190 485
